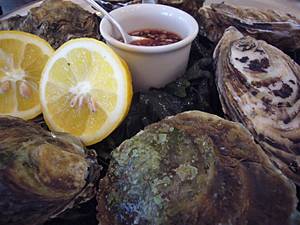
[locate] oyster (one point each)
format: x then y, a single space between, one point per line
259 86
41 174
56 21
190 6
194 169
282 31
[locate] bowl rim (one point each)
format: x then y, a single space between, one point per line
151 49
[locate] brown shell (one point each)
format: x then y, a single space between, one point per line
194 169
282 31
259 86
56 21
41 173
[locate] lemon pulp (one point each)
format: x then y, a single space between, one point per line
22 59
85 90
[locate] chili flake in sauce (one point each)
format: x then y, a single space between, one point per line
155 37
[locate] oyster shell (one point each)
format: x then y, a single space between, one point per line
282 31
259 86
41 174
56 21
190 6
194 169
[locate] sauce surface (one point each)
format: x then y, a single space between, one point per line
156 37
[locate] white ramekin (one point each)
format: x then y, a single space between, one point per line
152 66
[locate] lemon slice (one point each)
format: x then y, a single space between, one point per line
22 59
85 90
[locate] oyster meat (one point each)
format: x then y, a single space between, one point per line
56 21
194 169
259 86
190 6
41 174
282 31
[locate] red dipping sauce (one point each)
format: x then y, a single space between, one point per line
156 37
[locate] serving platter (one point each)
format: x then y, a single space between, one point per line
196 90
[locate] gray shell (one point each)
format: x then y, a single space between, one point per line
282 31
259 86
56 21
194 169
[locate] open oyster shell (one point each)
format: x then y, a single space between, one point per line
259 86
194 169
282 31
41 174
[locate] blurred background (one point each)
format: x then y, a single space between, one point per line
287 6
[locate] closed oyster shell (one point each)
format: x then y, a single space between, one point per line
194 169
41 174
56 21
282 31
259 86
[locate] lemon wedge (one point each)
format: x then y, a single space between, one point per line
85 90
22 59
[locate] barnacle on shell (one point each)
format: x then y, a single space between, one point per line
194 169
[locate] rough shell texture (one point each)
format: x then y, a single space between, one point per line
194 169
190 6
56 21
259 86
41 174
282 31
